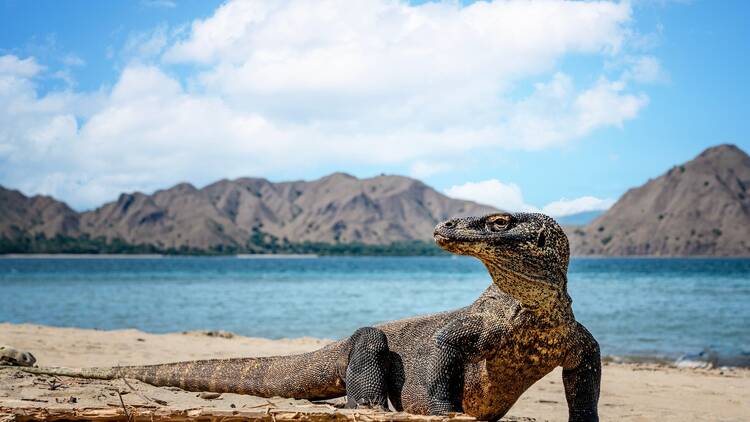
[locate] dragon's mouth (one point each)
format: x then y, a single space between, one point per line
443 240
440 238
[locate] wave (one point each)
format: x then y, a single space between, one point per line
706 359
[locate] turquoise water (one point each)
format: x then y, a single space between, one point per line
661 308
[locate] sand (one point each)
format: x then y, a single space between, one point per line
634 392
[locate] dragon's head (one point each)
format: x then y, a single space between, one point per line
526 254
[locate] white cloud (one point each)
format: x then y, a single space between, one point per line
146 44
24 68
565 206
73 60
424 169
508 196
505 196
605 105
437 65
286 86
555 113
645 69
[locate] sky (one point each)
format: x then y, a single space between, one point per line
547 105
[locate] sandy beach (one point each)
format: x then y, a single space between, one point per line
635 392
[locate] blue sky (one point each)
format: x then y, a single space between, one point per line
520 105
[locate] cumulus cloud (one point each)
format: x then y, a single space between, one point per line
565 206
12 66
281 87
508 196
437 65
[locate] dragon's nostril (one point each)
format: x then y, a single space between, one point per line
449 224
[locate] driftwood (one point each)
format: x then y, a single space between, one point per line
10 413
25 397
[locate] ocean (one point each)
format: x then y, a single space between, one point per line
638 309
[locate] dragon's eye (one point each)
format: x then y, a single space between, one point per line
497 223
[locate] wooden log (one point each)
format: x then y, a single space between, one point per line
138 414
27 397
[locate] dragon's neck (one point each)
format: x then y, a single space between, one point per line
545 297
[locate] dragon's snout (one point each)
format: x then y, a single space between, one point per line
445 232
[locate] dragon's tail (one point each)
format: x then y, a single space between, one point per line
96 373
314 375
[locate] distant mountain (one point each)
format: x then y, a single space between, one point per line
580 218
247 214
698 208
37 215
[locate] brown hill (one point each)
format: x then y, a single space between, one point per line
36 215
338 208
699 208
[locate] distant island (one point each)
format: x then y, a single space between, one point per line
700 208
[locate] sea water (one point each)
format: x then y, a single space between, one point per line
636 308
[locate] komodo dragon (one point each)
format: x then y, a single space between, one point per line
478 359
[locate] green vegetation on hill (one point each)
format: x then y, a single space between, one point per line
258 244
404 248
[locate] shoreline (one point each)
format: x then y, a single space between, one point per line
712 361
629 390
709 359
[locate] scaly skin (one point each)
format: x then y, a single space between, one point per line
478 359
